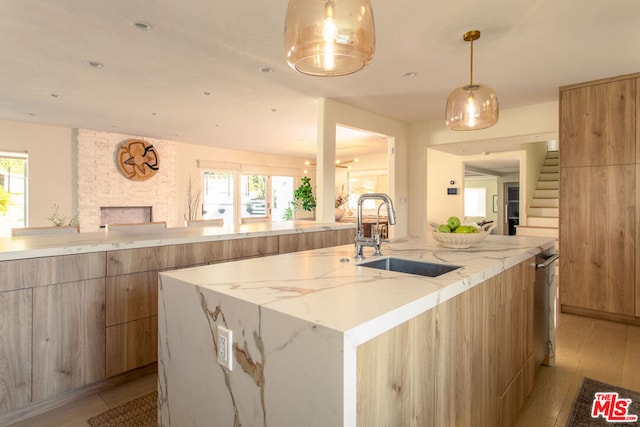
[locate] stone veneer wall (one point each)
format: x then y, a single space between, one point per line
100 182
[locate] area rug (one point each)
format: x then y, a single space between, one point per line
140 412
611 410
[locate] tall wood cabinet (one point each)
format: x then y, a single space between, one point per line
599 222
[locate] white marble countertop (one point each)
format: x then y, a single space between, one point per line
12 248
320 287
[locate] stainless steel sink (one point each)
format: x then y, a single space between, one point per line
421 268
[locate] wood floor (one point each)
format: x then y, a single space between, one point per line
602 350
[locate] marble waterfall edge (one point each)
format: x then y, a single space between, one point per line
284 368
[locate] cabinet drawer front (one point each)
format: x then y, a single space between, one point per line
131 345
168 257
131 297
27 273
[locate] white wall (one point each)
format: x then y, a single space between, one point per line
331 114
531 123
52 173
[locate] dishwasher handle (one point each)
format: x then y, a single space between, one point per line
547 261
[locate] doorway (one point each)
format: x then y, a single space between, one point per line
511 207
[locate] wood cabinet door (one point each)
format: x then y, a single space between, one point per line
68 336
15 349
598 124
131 345
597 238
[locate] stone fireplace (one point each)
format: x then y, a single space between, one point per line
102 185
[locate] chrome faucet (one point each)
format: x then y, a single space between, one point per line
375 241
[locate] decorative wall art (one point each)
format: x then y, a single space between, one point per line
137 159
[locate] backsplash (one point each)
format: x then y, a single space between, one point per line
100 182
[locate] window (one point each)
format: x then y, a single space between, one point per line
13 191
238 197
219 191
475 202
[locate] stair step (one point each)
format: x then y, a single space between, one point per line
546 194
549 169
548 185
549 177
543 211
551 162
522 230
542 221
552 154
544 203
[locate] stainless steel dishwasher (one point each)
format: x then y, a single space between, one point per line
544 313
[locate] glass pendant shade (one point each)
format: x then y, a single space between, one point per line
329 37
474 106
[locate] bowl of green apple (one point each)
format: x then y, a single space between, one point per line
453 234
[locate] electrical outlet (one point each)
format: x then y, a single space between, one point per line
225 347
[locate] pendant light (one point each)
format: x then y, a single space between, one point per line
329 37
474 106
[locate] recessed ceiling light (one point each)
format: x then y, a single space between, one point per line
31 114
55 95
153 114
409 74
141 25
94 64
266 70
273 110
206 93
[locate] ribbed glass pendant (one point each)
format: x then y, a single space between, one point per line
329 37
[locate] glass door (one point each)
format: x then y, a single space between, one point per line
254 206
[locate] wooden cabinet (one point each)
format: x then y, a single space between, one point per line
599 160
598 239
28 273
467 362
68 336
15 349
132 286
321 239
68 321
597 124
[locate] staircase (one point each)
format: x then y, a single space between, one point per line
542 214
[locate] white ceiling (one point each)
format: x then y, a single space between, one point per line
153 82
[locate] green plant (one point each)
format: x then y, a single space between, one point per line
62 220
303 195
5 200
288 213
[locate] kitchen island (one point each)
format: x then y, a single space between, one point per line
319 340
78 312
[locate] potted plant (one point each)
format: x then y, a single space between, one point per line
303 197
